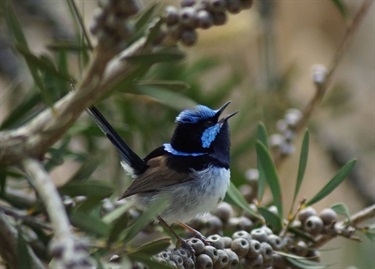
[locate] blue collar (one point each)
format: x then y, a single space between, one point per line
168 148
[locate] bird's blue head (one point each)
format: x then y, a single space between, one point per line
200 131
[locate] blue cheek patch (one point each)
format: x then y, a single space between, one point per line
209 135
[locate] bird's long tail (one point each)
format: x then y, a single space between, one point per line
136 163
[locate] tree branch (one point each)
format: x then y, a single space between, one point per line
66 248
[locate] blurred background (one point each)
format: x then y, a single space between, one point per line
262 60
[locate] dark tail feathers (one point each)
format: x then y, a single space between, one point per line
126 153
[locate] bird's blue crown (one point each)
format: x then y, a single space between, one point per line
195 115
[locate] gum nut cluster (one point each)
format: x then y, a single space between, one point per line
194 14
286 127
315 224
111 21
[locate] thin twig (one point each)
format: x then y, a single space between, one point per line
357 218
64 243
322 88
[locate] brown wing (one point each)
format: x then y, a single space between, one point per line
156 176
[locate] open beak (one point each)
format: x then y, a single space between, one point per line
220 110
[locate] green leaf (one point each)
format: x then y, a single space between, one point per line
86 169
370 233
88 189
302 165
157 57
154 32
340 5
271 218
333 183
341 209
117 213
149 262
21 42
234 194
262 137
165 96
155 208
270 173
23 255
305 264
14 24
42 64
151 248
89 223
145 17
3 180
120 224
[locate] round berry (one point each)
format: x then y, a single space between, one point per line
328 216
240 246
305 213
204 262
313 225
189 37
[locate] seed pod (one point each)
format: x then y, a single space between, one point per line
204 20
216 241
255 249
266 251
274 241
188 17
259 234
219 18
234 6
240 246
328 216
204 262
216 5
305 213
189 264
171 15
255 263
212 253
189 37
214 224
197 245
242 234
233 258
227 241
177 259
313 225
223 259
292 116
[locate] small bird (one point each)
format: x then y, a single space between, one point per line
192 170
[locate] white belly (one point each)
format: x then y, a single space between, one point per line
198 196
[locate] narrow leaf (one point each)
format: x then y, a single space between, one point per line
262 134
370 233
145 17
305 264
117 213
88 189
157 207
302 165
341 209
340 5
235 195
14 24
23 256
271 175
156 57
333 183
262 137
149 262
86 169
89 223
271 218
153 247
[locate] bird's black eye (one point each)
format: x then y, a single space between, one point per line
208 123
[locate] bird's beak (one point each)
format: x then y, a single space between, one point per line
220 110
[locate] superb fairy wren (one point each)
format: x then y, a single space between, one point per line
192 170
